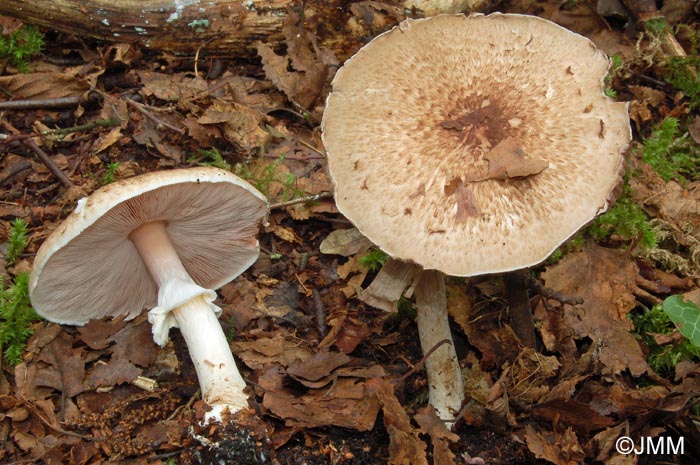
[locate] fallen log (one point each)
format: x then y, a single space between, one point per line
223 27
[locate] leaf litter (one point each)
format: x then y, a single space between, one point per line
323 348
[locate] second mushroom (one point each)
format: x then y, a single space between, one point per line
470 145
163 241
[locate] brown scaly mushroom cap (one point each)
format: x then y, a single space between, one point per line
475 144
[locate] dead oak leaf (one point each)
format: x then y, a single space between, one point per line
66 368
262 352
606 280
301 75
560 449
440 436
507 161
346 403
241 125
319 365
405 446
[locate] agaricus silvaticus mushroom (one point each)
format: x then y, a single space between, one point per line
468 146
162 241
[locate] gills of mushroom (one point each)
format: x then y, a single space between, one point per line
445 385
185 305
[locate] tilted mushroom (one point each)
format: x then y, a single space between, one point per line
161 241
469 146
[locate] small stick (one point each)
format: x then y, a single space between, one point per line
308 198
15 170
320 314
61 102
549 293
421 362
55 170
61 131
142 108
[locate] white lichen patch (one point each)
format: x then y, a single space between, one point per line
179 8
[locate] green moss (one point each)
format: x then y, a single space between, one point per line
374 259
16 317
626 220
17 240
210 157
670 152
662 358
573 244
110 173
683 73
270 174
21 45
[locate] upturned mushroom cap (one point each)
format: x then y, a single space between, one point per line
88 268
476 144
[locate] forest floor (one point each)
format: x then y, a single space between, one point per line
324 368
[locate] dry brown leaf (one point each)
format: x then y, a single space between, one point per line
241 125
345 403
266 351
65 368
304 83
46 85
106 140
507 161
114 372
529 375
675 204
560 449
571 413
345 242
440 436
170 87
606 280
405 447
321 364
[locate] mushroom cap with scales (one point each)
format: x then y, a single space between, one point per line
88 268
415 121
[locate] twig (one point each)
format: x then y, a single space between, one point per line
91 98
15 170
61 102
164 455
308 198
142 108
62 131
55 170
549 293
320 314
420 363
309 146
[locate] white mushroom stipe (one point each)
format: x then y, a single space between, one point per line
162 241
185 305
446 388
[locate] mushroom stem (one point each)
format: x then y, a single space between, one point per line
219 380
221 383
515 286
446 388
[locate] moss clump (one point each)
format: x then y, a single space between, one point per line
21 45
16 317
625 221
671 153
662 358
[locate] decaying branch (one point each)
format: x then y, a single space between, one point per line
223 27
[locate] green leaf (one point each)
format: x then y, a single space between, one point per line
685 315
